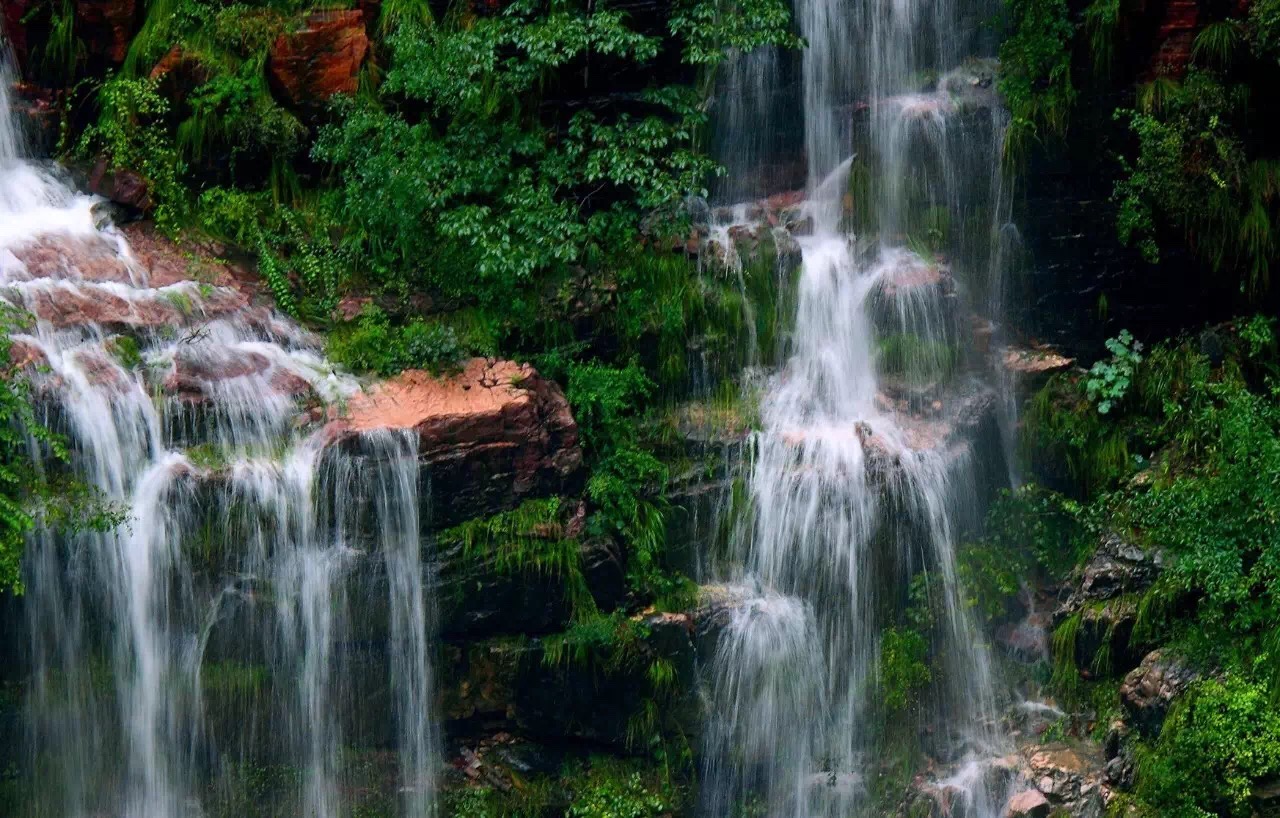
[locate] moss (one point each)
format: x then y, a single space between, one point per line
531 539
918 360
125 350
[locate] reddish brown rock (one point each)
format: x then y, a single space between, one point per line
1174 39
12 13
120 185
23 354
106 26
322 58
490 436
1027 804
90 259
177 73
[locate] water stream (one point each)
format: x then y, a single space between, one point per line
868 465
227 629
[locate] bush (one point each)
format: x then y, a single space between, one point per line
1219 740
374 344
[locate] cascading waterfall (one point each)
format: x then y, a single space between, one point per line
860 483
221 626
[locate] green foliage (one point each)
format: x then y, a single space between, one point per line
372 343
29 495
628 798
528 540
551 187
613 642
904 668
131 133
919 360
1035 70
1220 738
1219 514
1263 29
1194 173
1108 380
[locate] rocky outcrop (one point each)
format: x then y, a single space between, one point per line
320 59
1105 599
491 435
1118 567
106 27
1148 691
120 185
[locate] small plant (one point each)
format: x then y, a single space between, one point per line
1108 381
618 798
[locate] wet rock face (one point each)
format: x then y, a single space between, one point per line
320 59
1148 690
491 435
1117 567
1106 600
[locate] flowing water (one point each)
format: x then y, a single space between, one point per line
870 462
235 628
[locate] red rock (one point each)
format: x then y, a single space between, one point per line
491 435
23 354
13 13
106 27
1027 804
91 259
178 73
120 185
321 59
1174 39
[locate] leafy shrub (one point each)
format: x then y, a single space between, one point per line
374 344
624 798
904 669
132 134
1221 738
1108 380
1035 70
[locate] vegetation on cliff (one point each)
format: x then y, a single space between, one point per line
1183 134
1184 463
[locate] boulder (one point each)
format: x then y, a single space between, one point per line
177 73
120 185
1068 776
1149 689
320 59
490 436
1027 804
1106 599
1116 568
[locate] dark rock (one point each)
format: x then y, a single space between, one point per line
106 27
1265 798
1119 772
1106 600
1117 567
1149 690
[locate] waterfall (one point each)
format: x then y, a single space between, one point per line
269 577
868 467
